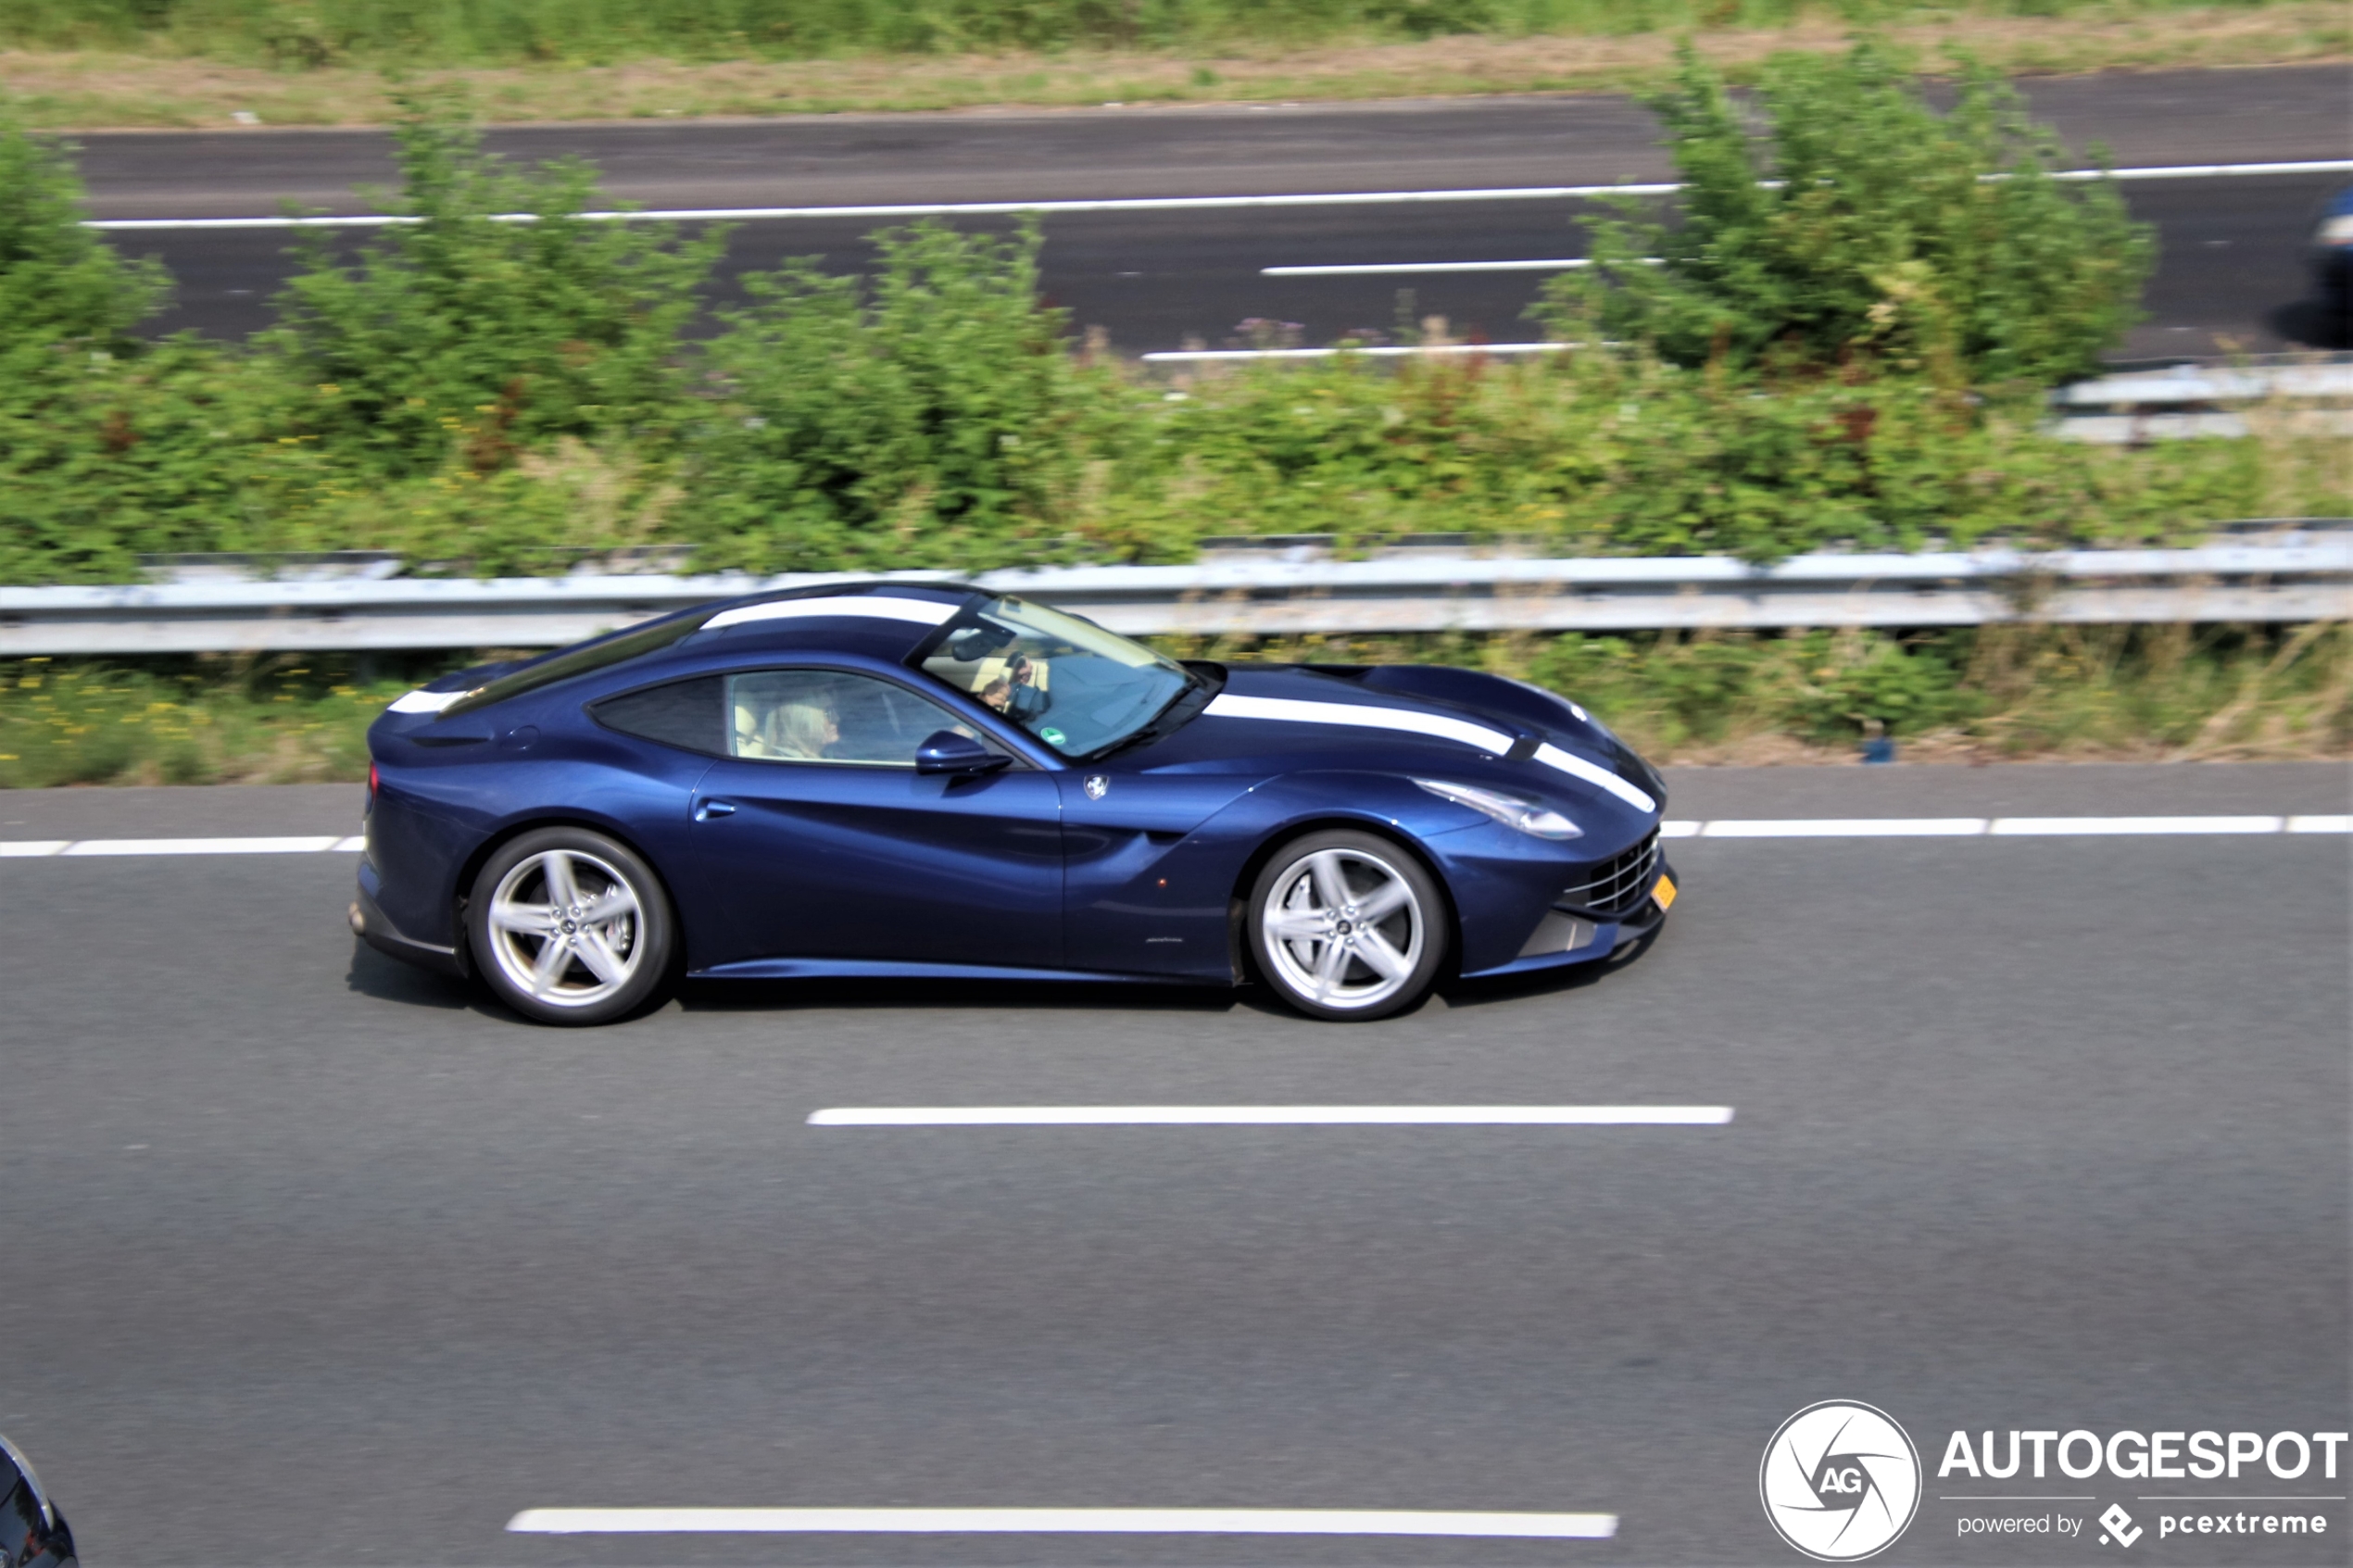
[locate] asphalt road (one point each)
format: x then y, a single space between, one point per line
312 1260
2232 274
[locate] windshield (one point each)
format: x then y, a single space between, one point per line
1074 685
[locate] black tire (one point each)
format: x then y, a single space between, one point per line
1333 963
614 939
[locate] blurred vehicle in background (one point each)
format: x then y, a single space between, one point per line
2332 250
32 1533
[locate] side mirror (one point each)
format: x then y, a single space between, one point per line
947 752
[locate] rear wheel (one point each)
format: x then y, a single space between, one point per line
1347 926
569 926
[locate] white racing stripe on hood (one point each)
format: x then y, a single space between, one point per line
1294 711
424 702
887 607
1601 778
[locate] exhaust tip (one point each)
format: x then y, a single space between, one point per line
359 920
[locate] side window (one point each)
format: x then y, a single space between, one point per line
684 713
828 716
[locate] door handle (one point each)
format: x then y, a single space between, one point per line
709 809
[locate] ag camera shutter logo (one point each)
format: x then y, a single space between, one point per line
1840 1481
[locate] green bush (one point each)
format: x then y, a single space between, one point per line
494 397
933 419
1622 454
108 445
1863 222
463 339
63 290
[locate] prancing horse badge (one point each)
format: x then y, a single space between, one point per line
1096 785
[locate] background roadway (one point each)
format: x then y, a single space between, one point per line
2232 272
315 1260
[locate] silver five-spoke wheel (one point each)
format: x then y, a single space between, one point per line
569 927
1344 925
564 928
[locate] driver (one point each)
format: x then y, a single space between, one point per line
1016 694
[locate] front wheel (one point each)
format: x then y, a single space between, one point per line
569 926
1347 926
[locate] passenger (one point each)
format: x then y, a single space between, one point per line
802 730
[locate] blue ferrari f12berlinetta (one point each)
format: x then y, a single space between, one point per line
900 779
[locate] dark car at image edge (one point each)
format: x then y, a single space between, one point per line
923 780
32 1533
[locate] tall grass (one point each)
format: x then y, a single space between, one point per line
310 33
2174 692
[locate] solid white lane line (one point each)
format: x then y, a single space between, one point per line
1061 1520
1160 204
2012 826
1273 1116
1850 827
2211 170
1203 355
947 210
1374 268
202 846
1793 827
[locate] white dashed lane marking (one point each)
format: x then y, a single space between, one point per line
1788 827
1275 1116
1059 1520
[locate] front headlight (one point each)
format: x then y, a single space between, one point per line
2336 230
1540 821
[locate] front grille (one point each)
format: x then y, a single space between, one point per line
1616 884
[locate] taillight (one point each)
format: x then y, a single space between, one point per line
373 782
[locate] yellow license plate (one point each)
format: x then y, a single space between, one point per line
1665 894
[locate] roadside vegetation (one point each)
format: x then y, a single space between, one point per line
90 63
2078 693
1850 344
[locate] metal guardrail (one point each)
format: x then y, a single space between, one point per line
2307 398
2293 576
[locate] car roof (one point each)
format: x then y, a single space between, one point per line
882 620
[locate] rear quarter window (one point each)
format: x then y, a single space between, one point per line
689 714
